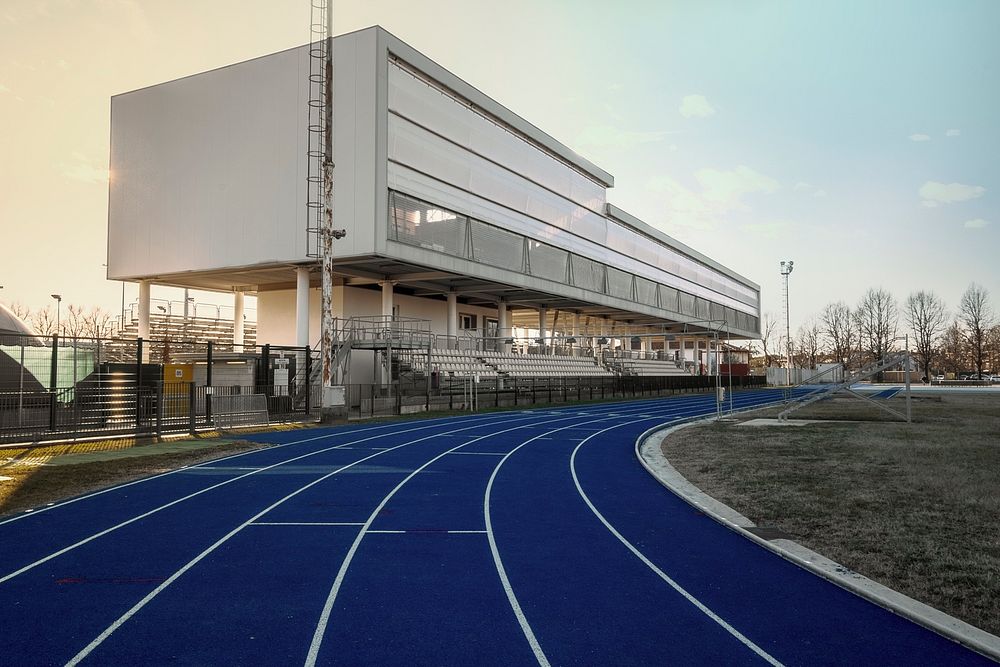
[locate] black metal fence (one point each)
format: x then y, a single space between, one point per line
52 388
369 400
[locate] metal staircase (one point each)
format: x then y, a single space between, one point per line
872 369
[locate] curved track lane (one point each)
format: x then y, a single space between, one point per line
527 537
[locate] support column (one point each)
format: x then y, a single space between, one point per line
385 372
543 316
503 326
144 286
237 321
302 306
576 333
452 329
387 297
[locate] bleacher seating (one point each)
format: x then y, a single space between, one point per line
540 365
646 367
459 364
453 363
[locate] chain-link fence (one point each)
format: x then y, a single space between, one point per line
54 388
464 393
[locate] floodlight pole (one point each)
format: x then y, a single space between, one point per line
786 268
327 232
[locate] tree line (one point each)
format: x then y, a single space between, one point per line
941 341
73 321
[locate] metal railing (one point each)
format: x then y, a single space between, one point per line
52 388
452 394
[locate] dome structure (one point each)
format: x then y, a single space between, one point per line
12 324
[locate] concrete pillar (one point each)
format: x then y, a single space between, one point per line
387 297
144 287
301 306
237 321
452 329
543 316
503 326
647 345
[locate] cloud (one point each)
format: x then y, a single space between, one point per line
934 194
767 230
84 170
978 223
920 137
608 136
696 106
719 192
809 188
952 133
727 188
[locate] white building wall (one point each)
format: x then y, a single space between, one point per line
208 171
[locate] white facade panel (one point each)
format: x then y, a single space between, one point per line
441 114
429 189
358 121
209 171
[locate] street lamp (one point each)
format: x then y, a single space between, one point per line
58 298
786 268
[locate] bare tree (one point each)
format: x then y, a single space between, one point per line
839 329
993 348
21 311
98 323
954 349
44 321
72 323
878 318
977 316
927 319
767 337
809 339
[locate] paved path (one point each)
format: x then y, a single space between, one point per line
514 538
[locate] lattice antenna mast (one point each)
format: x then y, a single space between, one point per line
320 232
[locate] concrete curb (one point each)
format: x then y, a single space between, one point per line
650 455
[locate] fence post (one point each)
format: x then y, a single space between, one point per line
308 382
265 358
159 408
138 383
191 407
208 386
53 381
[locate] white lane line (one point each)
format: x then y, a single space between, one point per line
663 575
88 649
305 523
331 598
674 411
481 453
420 531
348 432
106 531
324 618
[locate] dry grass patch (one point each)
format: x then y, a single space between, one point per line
915 507
33 478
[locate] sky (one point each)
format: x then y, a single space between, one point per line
858 139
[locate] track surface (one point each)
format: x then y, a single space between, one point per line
511 538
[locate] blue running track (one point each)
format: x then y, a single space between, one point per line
516 538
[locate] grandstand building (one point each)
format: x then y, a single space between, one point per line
462 218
